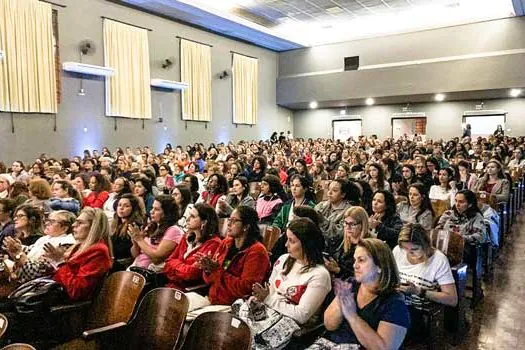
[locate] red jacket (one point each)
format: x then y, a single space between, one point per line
81 275
247 267
183 271
96 201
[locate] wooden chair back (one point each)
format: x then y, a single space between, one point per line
255 189
270 236
159 320
3 325
320 195
117 299
450 243
18 346
488 199
440 206
223 332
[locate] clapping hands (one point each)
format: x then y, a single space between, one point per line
206 262
345 297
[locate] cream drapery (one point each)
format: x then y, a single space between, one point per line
128 92
196 71
245 73
27 72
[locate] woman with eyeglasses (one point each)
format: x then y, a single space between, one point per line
30 263
28 224
424 271
81 268
165 181
418 209
355 224
201 238
240 261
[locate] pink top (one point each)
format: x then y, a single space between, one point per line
173 233
264 208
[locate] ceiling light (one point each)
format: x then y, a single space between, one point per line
515 92
439 97
342 112
370 101
313 105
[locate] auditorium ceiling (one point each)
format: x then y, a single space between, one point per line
282 25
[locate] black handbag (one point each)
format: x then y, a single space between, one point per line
153 279
37 296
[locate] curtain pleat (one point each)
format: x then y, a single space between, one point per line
196 71
245 73
128 92
27 72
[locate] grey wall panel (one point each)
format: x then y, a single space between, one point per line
81 20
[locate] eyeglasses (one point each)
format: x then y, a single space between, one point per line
234 220
20 216
351 224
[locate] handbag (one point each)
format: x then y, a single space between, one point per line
153 279
37 296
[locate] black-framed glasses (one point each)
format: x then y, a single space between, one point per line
351 224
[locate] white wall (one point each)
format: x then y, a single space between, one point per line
444 120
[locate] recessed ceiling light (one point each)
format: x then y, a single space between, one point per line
313 105
334 10
515 92
370 101
342 112
439 97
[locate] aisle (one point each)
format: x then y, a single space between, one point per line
499 322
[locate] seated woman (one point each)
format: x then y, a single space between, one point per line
153 244
143 189
182 196
192 182
81 269
343 171
299 282
240 261
165 181
29 262
384 222
465 218
128 213
216 190
120 187
356 227
376 178
63 197
201 238
300 196
28 224
466 180
39 195
270 200
332 211
424 271
418 209
368 312
494 182
99 186
446 190
239 196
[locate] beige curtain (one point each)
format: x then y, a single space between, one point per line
27 72
245 73
196 71
128 92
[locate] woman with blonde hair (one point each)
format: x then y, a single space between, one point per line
81 269
355 228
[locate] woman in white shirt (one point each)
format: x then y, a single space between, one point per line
446 190
424 271
299 281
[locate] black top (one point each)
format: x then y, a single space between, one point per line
389 229
390 308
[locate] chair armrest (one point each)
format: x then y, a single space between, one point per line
92 333
82 305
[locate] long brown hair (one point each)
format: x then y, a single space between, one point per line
384 259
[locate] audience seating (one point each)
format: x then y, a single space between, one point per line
270 236
223 332
255 189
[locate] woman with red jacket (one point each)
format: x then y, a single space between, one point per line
82 268
201 239
240 261
99 194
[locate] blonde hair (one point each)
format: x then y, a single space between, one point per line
384 259
66 218
98 231
359 215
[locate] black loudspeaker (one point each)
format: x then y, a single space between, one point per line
352 63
